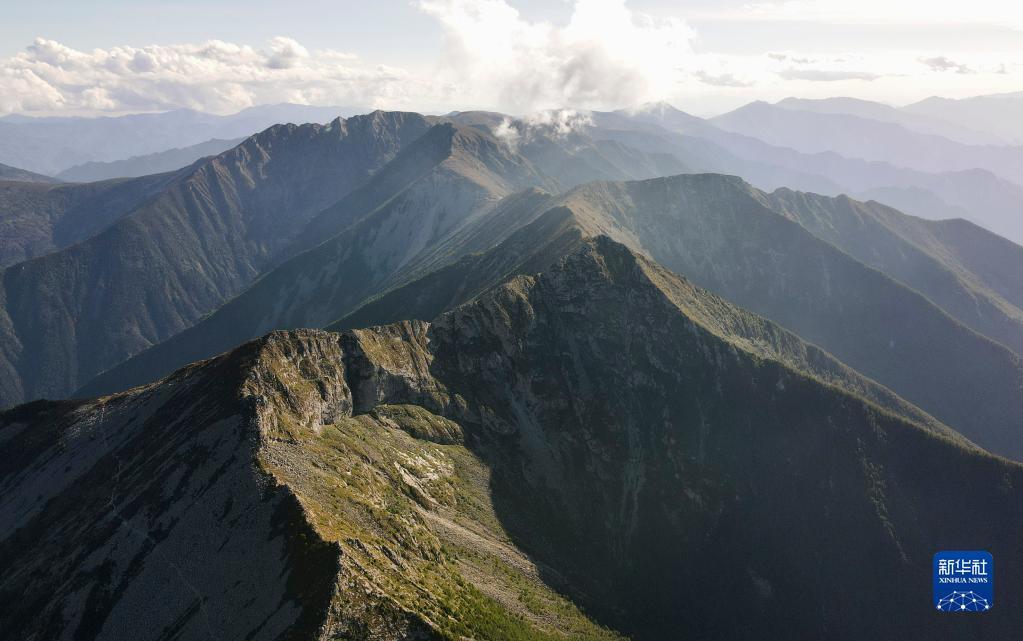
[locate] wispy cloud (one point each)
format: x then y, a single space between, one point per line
826 75
941 63
721 79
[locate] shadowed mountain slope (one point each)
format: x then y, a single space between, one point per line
444 181
39 218
433 481
943 260
719 232
738 242
558 233
70 315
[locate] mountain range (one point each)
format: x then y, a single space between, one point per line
614 375
498 474
154 163
53 144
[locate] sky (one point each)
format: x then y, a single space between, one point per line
88 57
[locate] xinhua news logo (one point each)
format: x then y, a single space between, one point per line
964 581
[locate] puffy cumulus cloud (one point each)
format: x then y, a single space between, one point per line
212 76
605 56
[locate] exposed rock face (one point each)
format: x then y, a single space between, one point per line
587 430
144 516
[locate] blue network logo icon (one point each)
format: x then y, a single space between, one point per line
964 581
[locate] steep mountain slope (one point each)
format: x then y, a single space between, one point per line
38 218
70 315
722 234
558 233
452 480
442 182
154 163
855 137
13 173
726 236
915 252
220 473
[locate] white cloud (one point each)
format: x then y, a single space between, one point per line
943 63
212 76
721 79
605 56
550 123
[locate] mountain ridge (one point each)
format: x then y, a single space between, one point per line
198 241
514 401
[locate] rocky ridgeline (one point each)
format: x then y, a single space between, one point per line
572 454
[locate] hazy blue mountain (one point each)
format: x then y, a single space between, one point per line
856 137
50 145
159 162
997 114
975 194
880 112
